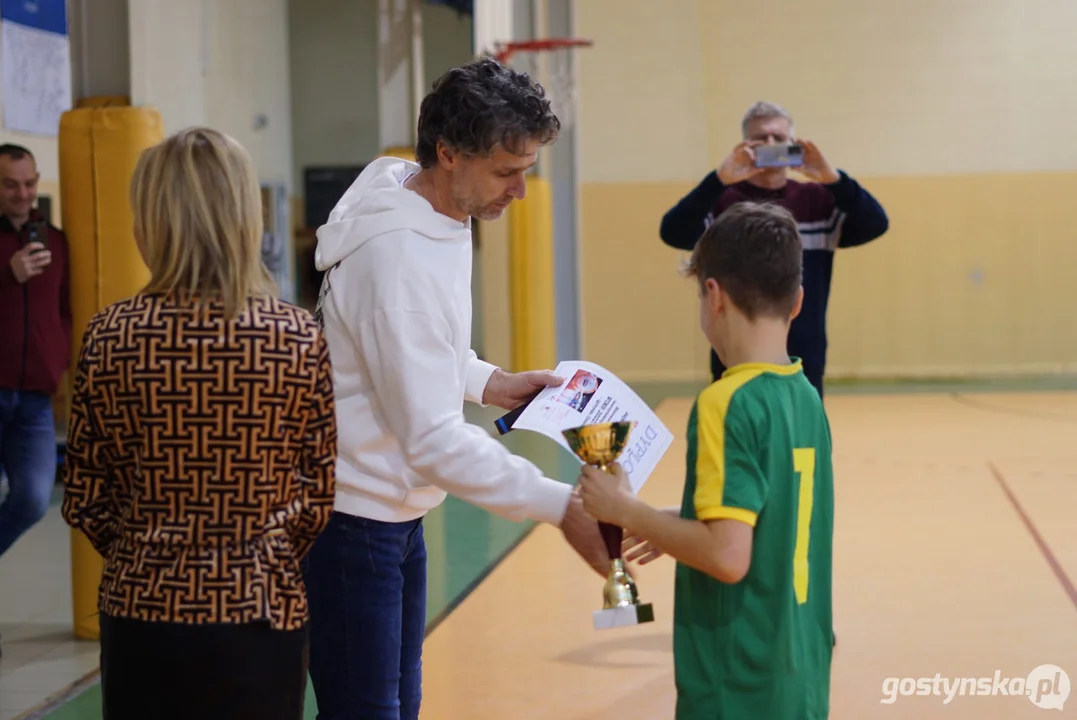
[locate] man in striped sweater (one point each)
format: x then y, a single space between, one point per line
832 212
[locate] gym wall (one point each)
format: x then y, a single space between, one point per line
216 64
220 68
953 113
222 64
334 59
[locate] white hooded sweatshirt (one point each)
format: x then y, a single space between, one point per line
396 309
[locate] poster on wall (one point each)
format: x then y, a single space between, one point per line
35 62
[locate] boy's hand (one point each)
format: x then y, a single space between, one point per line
636 548
606 495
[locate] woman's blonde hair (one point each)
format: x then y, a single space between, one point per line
198 214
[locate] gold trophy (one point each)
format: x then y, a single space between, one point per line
600 445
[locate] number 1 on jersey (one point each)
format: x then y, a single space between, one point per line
804 465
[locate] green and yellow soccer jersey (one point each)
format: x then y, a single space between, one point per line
759 453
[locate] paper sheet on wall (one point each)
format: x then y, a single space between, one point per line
35 64
592 394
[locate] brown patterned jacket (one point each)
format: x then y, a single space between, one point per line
200 458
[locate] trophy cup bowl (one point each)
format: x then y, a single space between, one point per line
600 445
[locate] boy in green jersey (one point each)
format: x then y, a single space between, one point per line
752 539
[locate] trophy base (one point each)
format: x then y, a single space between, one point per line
624 616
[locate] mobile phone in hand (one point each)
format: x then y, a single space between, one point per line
36 232
779 155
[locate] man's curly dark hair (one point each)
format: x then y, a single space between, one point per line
478 106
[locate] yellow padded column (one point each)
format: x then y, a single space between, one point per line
531 281
400 151
99 145
104 101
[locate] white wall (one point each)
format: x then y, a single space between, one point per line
248 81
334 56
334 53
221 63
213 62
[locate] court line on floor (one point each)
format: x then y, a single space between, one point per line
1045 549
477 580
63 697
1001 409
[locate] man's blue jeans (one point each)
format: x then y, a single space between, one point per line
27 459
366 583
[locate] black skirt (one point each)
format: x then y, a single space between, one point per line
161 671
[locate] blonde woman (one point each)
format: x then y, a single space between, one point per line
201 453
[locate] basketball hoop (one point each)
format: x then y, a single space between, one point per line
548 61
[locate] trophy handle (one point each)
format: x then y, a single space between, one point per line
613 536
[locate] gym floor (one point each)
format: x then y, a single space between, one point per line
954 558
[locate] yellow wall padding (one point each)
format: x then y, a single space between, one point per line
531 281
400 151
103 101
99 147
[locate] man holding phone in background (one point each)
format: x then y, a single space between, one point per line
35 344
832 211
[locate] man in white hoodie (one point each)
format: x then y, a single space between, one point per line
396 309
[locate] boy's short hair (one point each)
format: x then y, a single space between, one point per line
754 252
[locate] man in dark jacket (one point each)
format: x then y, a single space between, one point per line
832 212
35 343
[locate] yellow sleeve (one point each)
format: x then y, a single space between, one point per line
728 483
